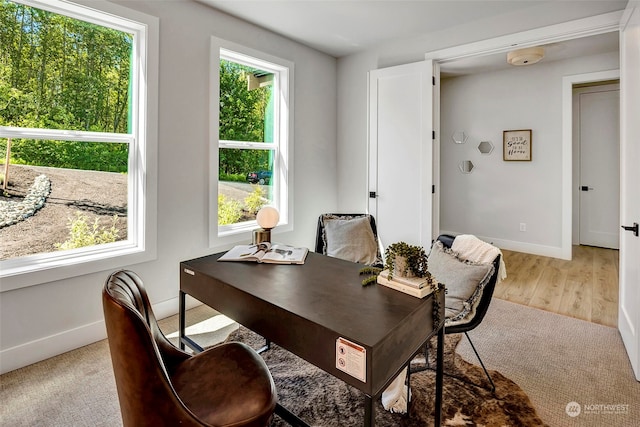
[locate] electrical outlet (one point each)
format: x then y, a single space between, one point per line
523 226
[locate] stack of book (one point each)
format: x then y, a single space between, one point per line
416 286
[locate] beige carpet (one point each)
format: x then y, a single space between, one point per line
557 360
554 359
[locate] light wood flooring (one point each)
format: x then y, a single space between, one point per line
585 287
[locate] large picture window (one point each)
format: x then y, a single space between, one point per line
252 134
74 135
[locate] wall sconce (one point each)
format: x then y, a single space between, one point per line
267 218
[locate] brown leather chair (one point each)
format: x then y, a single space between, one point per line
158 384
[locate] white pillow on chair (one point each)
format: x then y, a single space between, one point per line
464 281
350 239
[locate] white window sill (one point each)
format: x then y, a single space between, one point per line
17 275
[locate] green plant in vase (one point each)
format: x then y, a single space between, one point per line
405 260
401 259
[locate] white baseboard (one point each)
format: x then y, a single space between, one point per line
524 247
37 350
527 248
170 307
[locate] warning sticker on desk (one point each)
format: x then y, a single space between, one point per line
351 358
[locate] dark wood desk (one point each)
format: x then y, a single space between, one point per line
306 308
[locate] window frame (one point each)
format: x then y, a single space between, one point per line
282 144
140 245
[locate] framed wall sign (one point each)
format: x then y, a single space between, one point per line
516 145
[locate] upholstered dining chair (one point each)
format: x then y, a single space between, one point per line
158 384
352 237
470 286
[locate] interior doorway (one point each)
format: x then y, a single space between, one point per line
596 153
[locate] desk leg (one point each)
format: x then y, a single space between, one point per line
265 347
183 339
289 417
181 318
369 412
439 377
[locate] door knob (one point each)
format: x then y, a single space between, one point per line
633 228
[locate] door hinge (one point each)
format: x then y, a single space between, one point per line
433 135
433 80
433 189
372 194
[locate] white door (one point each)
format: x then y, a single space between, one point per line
629 305
400 152
599 136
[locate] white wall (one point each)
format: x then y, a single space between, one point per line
40 321
497 196
352 82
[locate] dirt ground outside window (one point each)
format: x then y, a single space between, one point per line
98 195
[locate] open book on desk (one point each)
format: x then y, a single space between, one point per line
267 253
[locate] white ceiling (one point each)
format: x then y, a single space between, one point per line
343 27
593 45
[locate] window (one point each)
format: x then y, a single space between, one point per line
251 105
79 103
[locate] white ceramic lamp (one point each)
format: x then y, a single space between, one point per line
267 218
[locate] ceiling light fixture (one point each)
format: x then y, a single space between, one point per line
526 56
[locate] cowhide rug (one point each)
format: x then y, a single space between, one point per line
324 401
